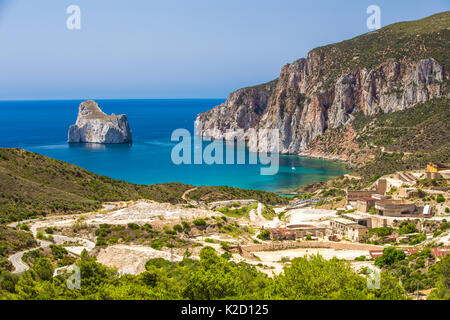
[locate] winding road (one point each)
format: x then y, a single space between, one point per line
16 259
184 196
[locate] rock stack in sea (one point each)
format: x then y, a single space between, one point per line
94 126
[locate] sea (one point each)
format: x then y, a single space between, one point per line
42 126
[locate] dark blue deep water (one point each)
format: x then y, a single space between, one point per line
41 126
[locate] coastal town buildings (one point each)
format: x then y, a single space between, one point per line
348 229
395 208
436 170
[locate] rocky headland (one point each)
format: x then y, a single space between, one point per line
388 70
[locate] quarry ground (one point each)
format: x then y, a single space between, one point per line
131 257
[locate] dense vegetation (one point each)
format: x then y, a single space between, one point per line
213 277
418 271
386 163
423 128
58 255
410 138
12 241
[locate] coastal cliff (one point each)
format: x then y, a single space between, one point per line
388 70
94 126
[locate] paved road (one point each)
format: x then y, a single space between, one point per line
16 259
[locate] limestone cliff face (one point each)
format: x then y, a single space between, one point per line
302 109
94 126
384 71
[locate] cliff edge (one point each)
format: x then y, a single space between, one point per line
388 70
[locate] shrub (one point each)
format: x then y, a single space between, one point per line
133 226
44 269
168 230
156 244
264 235
199 222
100 242
381 231
225 245
147 227
406 228
417 239
440 199
177 228
185 225
227 255
390 256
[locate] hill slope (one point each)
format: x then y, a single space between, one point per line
32 185
388 70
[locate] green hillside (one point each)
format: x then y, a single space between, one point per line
33 185
410 138
403 41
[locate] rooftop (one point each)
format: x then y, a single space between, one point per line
356 215
344 221
397 202
365 199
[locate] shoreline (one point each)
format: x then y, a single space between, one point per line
322 157
285 191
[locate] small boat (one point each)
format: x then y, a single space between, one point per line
293 168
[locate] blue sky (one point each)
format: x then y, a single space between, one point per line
171 49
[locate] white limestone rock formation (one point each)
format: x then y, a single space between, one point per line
301 110
94 126
391 69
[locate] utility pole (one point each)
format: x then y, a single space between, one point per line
171 250
417 290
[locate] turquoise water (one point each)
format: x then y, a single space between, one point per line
41 126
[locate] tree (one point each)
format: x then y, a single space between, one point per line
8 281
264 235
390 256
44 269
217 278
390 288
440 199
442 291
199 222
314 277
407 227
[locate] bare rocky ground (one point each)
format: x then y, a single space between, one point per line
131 257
